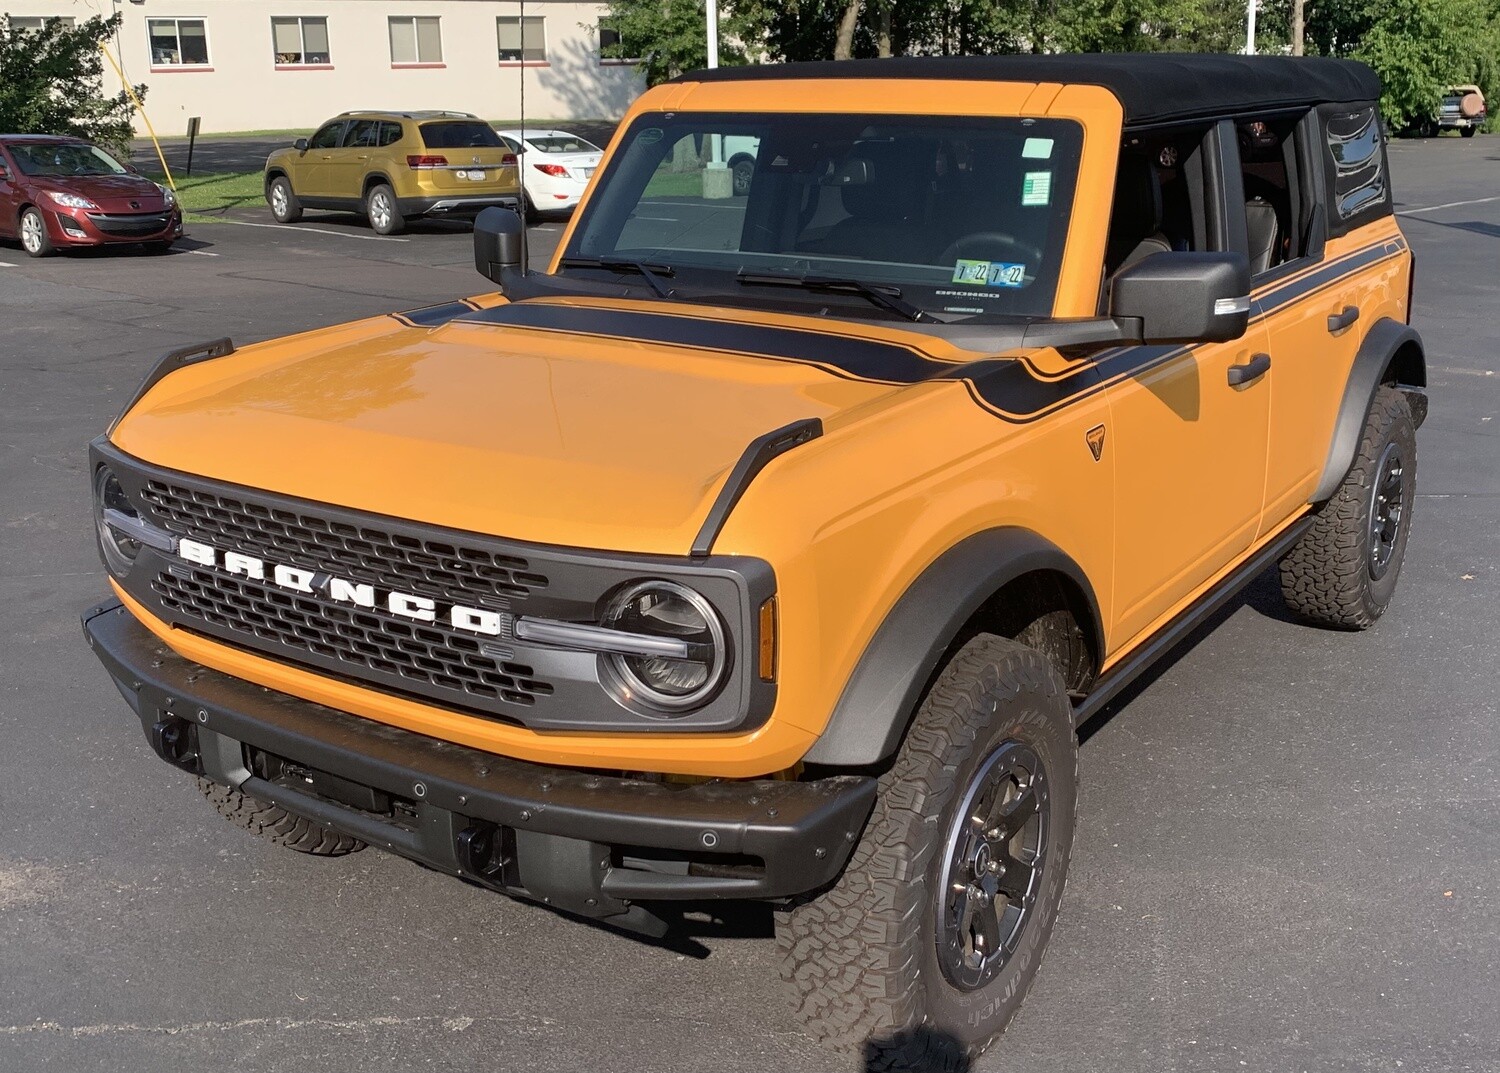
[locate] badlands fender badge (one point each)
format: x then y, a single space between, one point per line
1095 436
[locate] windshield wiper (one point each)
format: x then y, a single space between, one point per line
885 297
651 273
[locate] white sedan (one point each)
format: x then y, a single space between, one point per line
556 167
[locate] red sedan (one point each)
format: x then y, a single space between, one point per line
58 192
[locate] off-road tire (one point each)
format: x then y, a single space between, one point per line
1469 132
1329 577
32 229
383 212
276 825
285 206
862 958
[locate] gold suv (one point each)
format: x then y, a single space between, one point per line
393 167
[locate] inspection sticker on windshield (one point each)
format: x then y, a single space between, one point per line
1036 188
989 274
1037 148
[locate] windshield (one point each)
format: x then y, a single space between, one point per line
960 216
42 158
562 143
463 134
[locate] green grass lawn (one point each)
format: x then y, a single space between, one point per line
204 196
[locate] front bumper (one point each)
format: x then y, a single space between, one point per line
86 227
455 204
587 843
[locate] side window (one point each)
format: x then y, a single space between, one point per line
1161 202
362 134
1278 197
1357 187
327 137
390 134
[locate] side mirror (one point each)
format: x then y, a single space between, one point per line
4 172
499 244
1185 297
300 145
131 168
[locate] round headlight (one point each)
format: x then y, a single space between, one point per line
675 612
118 548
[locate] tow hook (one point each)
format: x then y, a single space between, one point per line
176 742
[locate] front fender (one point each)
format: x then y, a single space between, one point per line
882 693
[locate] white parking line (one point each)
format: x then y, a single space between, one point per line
203 253
314 231
1447 205
7 264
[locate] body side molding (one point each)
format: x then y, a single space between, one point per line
1379 351
883 691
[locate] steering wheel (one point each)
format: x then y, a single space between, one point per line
984 241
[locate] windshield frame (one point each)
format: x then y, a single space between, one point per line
597 230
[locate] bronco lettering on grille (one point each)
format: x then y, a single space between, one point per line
296 579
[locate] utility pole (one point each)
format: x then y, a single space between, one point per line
1250 27
717 181
713 33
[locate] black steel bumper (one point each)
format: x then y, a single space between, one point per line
586 843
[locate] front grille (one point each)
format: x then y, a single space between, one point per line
421 654
130 223
436 568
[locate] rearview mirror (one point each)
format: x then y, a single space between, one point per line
1185 297
499 244
300 145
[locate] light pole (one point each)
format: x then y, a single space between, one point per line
1250 27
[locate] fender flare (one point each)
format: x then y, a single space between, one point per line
1388 343
882 694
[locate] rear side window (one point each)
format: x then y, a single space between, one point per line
1358 178
459 134
390 133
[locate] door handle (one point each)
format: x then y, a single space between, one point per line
1337 322
1253 369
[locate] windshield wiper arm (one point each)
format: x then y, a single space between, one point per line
885 297
651 273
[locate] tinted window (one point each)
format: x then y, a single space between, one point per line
327 137
390 133
1359 188
363 134
964 215
458 134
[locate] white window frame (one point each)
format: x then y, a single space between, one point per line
544 61
302 21
35 23
177 21
413 20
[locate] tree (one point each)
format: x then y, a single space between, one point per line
1420 48
51 82
668 36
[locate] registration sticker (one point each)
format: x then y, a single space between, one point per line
989 273
1037 149
1036 188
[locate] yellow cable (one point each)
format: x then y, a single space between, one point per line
139 107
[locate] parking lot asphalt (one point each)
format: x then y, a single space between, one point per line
1288 853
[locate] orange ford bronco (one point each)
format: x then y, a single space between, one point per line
772 543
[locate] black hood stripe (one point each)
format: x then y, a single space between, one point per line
1006 386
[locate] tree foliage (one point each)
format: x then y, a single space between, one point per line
51 82
1419 47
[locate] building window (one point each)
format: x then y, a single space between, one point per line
299 41
178 42
522 42
416 39
609 44
28 23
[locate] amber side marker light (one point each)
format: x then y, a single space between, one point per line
768 640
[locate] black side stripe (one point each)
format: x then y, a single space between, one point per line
433 316
1008 387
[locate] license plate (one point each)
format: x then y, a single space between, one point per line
472 176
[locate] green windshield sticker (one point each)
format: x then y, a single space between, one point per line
989 273
1036 188
1037 149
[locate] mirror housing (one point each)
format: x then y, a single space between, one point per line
1185 297
300 145
499 244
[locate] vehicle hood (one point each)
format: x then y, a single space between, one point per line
112 193
495 424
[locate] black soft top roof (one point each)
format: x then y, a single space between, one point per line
1152 87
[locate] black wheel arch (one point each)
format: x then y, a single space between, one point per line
1392 353
930 618
374 179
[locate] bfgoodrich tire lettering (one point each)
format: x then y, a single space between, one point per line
864 959
1343 571
275 824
